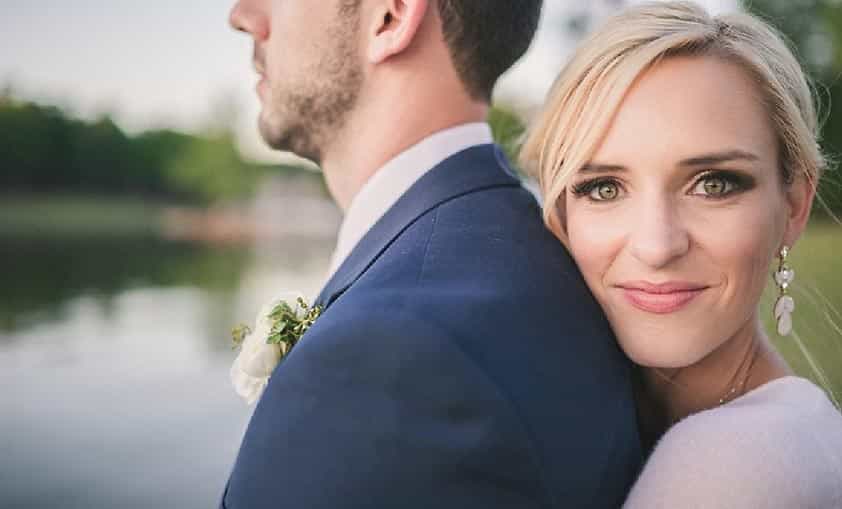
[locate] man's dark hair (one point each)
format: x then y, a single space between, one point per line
486 37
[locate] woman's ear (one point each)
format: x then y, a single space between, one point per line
394 25
799 197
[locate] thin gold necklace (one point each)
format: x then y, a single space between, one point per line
736 389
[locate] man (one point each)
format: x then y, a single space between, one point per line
460 361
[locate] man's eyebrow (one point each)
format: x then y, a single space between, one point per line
719 157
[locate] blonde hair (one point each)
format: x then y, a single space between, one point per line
591 87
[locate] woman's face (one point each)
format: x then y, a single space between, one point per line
676 219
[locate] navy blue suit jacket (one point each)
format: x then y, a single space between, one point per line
460 363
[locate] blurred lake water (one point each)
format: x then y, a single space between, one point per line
115 350
114 358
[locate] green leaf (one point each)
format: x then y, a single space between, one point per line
239 333
286 325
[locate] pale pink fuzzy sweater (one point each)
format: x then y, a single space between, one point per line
778 446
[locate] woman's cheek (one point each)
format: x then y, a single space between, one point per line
595 237
740 241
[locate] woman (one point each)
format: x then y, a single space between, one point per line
678 161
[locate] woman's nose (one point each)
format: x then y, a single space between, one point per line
658 235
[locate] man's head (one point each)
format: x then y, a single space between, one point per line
486 37
316 58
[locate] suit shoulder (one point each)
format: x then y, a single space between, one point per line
500 231
400 411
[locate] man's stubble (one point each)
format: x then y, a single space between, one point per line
303 115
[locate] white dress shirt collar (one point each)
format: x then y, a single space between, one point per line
395 177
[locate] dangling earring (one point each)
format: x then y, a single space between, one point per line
785 304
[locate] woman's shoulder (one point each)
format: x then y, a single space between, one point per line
779 445
789 408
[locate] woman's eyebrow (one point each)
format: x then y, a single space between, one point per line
719 157
700 160
602 168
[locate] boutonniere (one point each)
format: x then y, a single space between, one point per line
279 325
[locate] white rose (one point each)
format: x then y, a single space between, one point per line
257 360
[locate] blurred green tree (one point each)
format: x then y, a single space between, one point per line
814 27
35 143
210 169
44 150
507 128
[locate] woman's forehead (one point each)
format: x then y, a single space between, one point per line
685 107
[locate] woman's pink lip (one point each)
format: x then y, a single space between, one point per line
660 298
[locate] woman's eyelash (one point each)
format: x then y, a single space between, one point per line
738 182
586 187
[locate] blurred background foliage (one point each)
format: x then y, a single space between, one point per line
508 129
44 150
814 29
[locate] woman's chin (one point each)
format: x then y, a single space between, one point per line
660 356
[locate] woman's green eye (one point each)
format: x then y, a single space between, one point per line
606 191
714 187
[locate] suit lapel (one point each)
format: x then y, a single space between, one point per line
473 169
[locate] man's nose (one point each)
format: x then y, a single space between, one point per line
659 235
246 16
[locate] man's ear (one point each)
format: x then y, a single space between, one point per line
799 197
394 25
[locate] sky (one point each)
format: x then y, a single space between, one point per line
163 63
